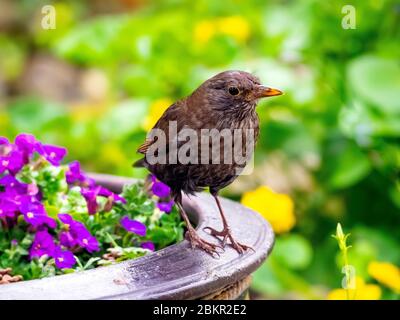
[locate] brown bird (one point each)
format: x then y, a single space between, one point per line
224 103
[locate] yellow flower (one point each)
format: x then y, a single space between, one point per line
204 31
277 209
235 26
157 109
362 291
385 273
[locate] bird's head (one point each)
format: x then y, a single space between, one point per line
235 89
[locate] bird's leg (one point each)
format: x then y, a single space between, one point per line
226 232
192 235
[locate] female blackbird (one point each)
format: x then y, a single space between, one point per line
227 102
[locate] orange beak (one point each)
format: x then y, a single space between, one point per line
262 92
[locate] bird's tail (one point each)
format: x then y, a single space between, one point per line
139 164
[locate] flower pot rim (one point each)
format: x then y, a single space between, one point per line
175 272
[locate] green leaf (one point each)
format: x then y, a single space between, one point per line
52 211
293 251
91 42
377 81
360 121
266 282
31 115
293 137
123 119
350 165
90 262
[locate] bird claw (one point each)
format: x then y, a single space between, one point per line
240 248
215 233
225 234
196 241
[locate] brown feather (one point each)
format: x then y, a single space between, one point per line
145 146
208 107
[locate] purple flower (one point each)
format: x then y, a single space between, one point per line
13 161
160 189
91 194
67 220
91 201
14 242
26 143
148 245
67 239
74 173
119 198
5 146
53 154
8 208
63 259
77 234
12 186
90 243
4 141
89 183
165 206
107 193
42 244
35 213
133 226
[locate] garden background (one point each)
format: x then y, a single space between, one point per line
329 150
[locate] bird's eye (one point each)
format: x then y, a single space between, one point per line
233 91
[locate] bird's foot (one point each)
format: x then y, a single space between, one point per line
196 241
215 233
227 234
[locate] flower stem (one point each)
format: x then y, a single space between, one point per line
347 273
341 238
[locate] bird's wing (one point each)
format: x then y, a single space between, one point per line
145 146
171 114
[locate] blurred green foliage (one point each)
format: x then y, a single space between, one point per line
339 120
